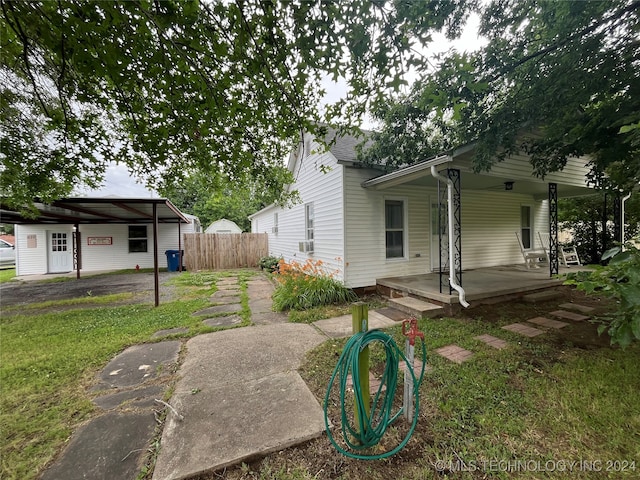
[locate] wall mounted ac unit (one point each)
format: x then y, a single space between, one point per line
306 246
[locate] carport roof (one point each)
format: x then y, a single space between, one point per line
88 210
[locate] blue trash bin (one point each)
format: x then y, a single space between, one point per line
173 260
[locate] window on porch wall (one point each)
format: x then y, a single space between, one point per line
394 228
525 226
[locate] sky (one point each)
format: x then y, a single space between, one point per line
118 181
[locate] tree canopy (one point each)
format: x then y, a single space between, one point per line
169 87
567 71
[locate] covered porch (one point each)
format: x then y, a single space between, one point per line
481 285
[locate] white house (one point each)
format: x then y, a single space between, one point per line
223 226
94 234
366 225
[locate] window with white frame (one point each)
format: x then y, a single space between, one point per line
274 229
394 223
309 219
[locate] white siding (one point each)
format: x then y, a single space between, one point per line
318 180
489 221
365 231
116 256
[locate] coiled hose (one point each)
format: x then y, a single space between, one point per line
371 427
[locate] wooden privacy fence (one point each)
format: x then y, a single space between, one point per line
218 251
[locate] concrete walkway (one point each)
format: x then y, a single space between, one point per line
238 394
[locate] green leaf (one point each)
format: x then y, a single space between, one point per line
611 253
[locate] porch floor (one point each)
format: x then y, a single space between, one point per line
479 284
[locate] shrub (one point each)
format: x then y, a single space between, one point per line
307 285
620 280
269 263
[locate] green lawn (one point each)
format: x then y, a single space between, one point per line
48 359
538 405
7 274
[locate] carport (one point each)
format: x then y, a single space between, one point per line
83 211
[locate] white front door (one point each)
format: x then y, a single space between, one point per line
60 255
439 233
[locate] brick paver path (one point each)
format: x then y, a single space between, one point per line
523 329
576 317
547 322
454 353
492 341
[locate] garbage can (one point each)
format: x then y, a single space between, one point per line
173 260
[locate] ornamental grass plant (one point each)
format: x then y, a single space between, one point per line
306 285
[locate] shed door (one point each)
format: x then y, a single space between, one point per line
60 256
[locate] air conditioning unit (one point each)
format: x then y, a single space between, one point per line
274 229
306 246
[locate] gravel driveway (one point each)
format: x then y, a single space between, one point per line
24 293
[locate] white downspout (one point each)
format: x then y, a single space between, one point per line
452 277
624 199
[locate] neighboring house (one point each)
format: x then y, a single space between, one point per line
223 226
106 233
365 225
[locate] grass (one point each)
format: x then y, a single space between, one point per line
513 412
48 359
7 274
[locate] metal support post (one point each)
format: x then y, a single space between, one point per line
454 176
410 345
553 230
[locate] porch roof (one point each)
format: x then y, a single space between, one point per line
517 171
92 210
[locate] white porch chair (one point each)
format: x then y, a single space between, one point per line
568 255
531 257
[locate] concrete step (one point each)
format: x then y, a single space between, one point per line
417 307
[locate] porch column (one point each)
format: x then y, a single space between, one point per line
553 229
156 276
77 250
454 176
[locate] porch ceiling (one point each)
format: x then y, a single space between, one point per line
84 210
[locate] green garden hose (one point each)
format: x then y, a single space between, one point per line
371 427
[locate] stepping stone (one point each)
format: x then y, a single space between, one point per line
170 331
576 317
543 296
234 288
218 309
140 398
547 322
227 281
523 329
223 321
226 293
393 313
492 341
112 445
454 353
268 318
139 363
226 299
577 307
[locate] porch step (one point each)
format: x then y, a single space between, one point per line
414 306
